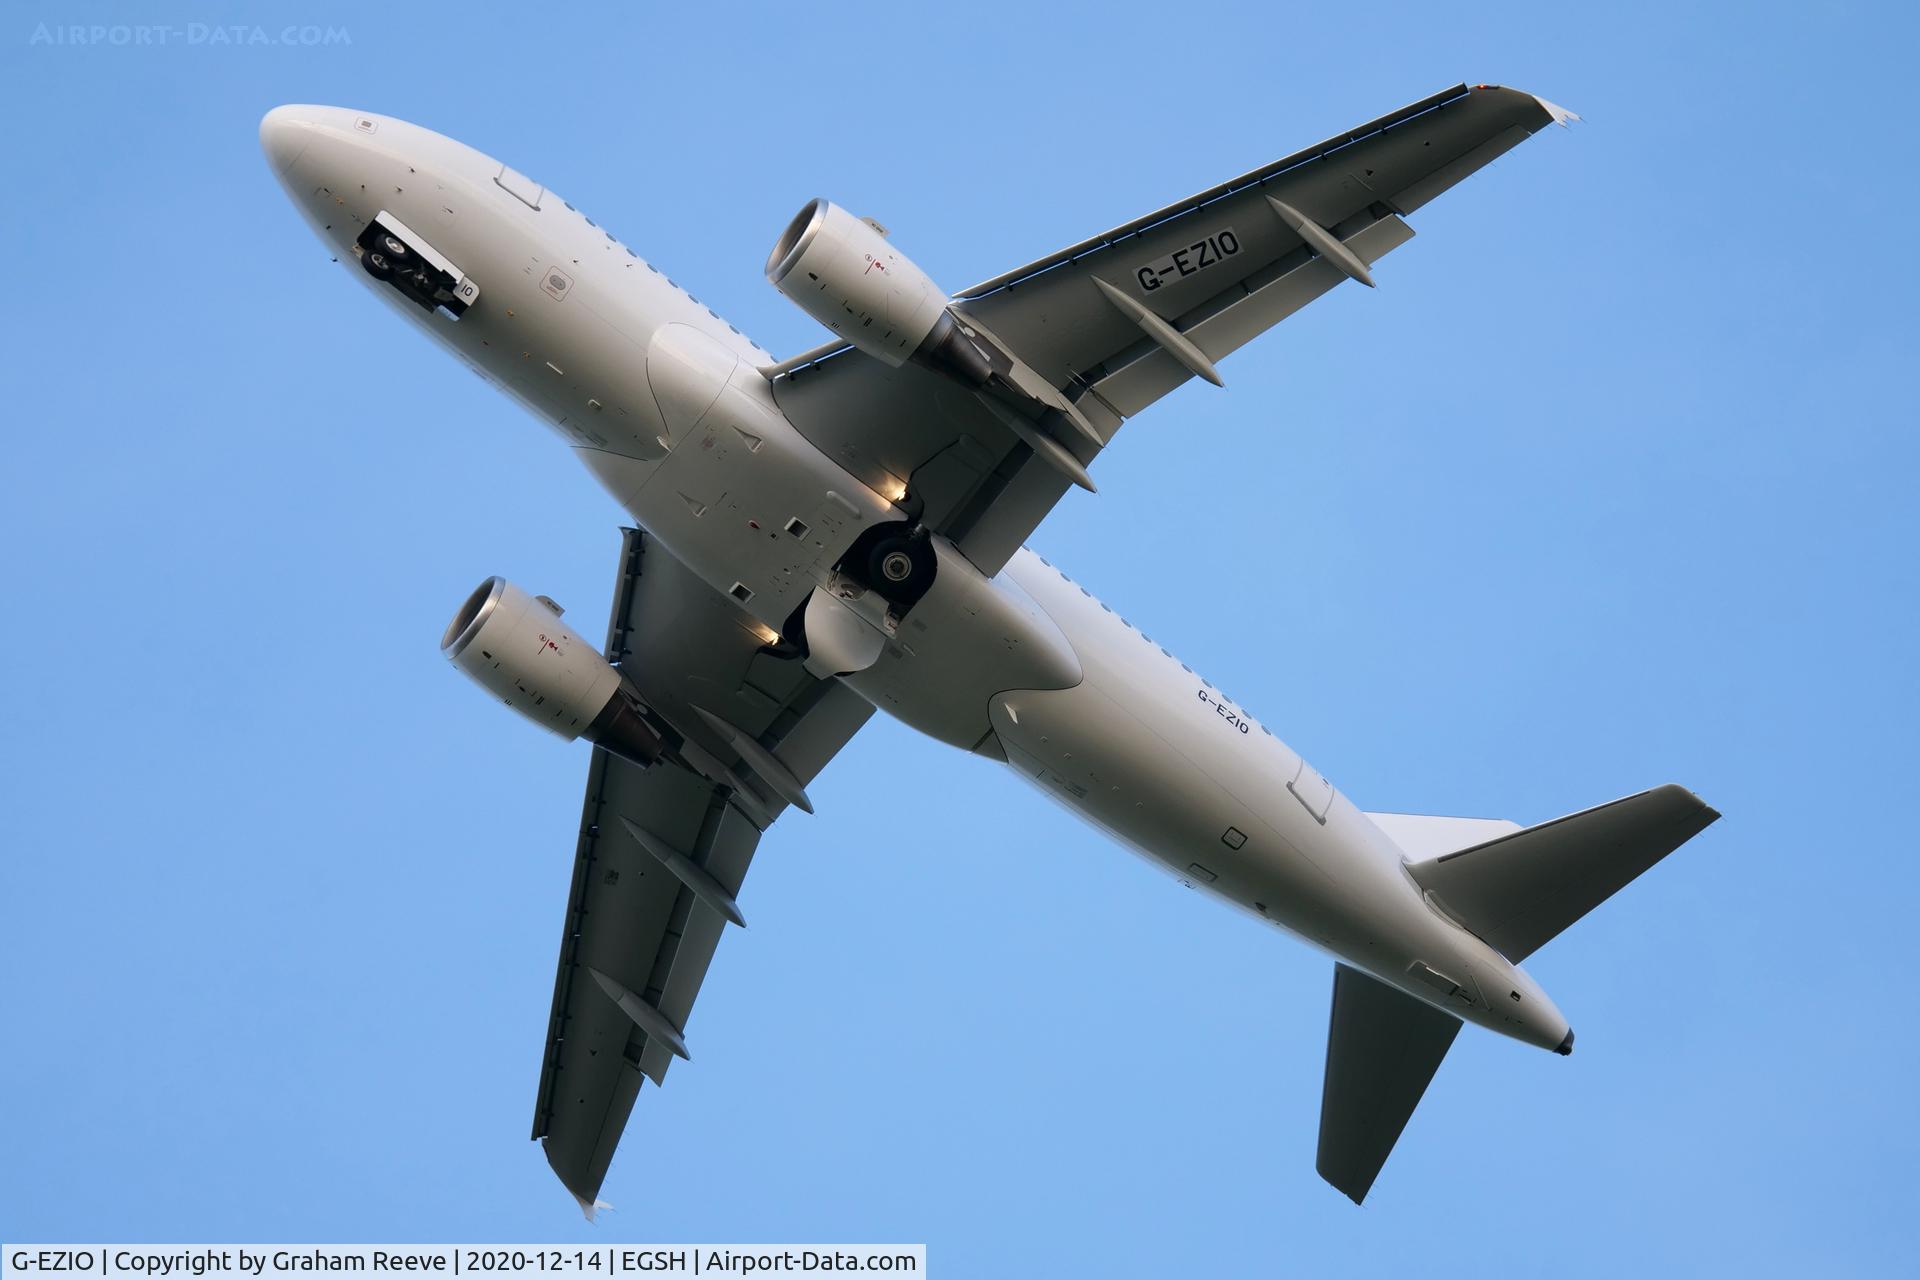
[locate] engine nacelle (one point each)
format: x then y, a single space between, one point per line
843 273
516 647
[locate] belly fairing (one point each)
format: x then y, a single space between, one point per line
968 639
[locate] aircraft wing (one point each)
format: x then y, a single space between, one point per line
662 851
1095 333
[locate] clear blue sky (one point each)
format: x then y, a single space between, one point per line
1610 483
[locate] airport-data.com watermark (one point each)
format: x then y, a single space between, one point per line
187 35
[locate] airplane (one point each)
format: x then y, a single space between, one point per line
842 531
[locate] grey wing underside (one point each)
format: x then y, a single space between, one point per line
1383 1047
643 919
974 478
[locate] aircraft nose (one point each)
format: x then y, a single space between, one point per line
284 134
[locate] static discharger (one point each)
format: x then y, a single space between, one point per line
687 872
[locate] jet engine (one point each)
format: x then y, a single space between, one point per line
840 270
516 647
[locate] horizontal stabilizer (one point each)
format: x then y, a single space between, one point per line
1518 891
1383 1046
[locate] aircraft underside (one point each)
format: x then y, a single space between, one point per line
843 532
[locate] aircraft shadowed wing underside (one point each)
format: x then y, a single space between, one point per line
1100 330
662 851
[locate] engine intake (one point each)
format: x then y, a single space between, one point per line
841 271
516 647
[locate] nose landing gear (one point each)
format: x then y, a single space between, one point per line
392 254
387 255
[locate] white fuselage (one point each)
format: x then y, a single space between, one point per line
667 405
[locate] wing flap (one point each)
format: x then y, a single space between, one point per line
1223 332
1383 1047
